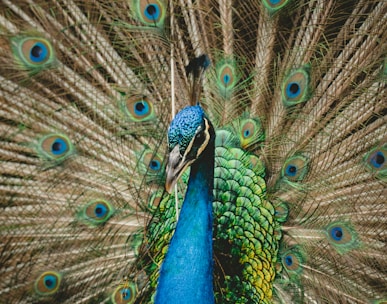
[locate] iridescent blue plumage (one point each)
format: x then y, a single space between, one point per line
188 265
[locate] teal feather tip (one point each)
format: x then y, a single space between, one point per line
48 283
33 53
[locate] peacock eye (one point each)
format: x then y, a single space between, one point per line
100 210
226 76
250 131
337 233
59 146
124 294
293 90
226 79
137 108
55 147
38 52
342 236
295 168
293 260
377 160
289 260
96 212
47 283
152 12
34 52
155 165
149 12
291 170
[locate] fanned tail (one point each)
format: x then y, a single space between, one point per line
297 93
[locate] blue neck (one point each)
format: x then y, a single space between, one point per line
186 275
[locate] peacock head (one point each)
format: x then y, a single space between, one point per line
189 134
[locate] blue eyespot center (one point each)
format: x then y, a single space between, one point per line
38 52
378 159
275 1
291 170
126 293
289 260
59 146
246 133
293 90
337 233
50 282
100 210
152 12
226 79
154 165
141 108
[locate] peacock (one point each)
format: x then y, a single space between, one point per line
193 151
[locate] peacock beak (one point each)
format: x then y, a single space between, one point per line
175 168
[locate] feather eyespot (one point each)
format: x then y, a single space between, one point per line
337 233
48 283
150 12
155 165
295 168
124 294
96 212
38 52
295 88
292 261
138 108
375 161
55 147
250 131
342 236
281 212
33 52
291 170
151 162
226 76
154 162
